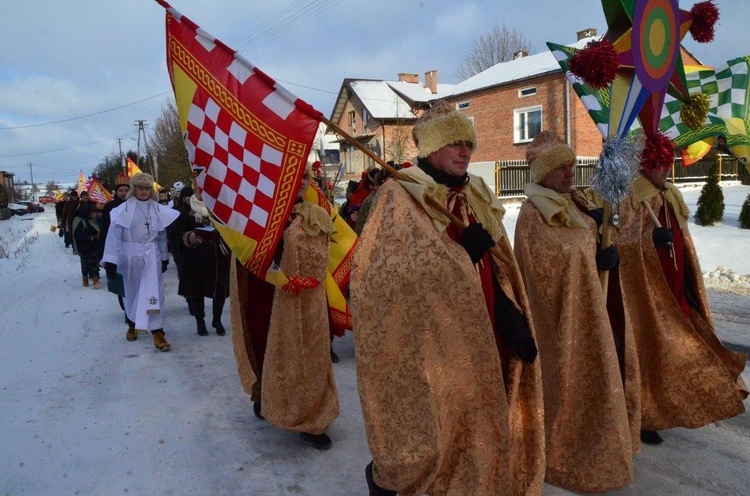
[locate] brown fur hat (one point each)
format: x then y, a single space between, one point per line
440 126
145 180
546 153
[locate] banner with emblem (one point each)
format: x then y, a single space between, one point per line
247 139
97 192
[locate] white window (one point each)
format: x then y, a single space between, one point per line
365 118
462 105
527 123
524 92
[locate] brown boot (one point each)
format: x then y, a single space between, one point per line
85 281
160 342
131 335
97 283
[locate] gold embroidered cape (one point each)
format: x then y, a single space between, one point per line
440 419
590 438
688 378
298 388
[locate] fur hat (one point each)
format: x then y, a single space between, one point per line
546 153
144 180
178 186
440 126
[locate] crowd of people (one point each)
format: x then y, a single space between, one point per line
483 367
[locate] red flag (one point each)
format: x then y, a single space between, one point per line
97 192
247 138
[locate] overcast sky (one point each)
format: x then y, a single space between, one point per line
75 75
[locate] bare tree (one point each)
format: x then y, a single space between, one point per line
168 146
499 45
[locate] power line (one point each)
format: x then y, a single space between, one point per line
87 115
66 148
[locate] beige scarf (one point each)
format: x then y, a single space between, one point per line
199 210
558 209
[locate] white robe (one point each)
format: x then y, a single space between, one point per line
138 250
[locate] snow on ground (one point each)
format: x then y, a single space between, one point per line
87 413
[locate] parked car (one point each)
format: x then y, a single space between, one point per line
19 209
31 206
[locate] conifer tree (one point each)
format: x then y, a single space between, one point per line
711 201
745 214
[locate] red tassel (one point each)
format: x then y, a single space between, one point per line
658 152
596 64
705 15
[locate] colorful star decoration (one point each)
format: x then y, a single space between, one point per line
646 36
640 57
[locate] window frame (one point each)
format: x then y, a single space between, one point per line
525 111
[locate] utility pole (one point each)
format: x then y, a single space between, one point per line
31 170
140 124
122 159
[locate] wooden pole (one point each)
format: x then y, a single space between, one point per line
401 177
606 243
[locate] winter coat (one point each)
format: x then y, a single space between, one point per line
204 271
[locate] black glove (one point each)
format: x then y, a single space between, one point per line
607 258
110 269
597 214
662 236
512 326
164 264
692 300
476 241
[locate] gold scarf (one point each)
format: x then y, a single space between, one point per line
558 209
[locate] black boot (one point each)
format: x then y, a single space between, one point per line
202 331
200 314
319 441
190 306
256 410
651 437
218 307
375 490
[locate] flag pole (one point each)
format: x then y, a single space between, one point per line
401 177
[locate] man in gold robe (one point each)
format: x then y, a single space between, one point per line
590 436
282 345
688 378
448 381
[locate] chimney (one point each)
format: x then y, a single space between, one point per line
430 81
406 77
520 54
586 33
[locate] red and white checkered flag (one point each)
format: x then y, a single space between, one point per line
247 139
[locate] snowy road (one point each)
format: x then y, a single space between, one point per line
87 413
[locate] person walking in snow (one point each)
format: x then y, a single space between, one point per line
136 247
281 338
688 378
204 266
86 233
446 359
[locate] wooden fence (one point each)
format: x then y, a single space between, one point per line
508 177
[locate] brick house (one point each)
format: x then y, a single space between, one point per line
509 104
380 115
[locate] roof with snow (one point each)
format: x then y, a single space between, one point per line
514 70
380 100
387 99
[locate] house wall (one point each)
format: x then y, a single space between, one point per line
492 110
